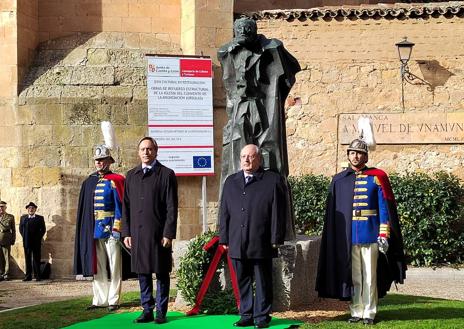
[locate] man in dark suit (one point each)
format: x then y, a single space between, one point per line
32 229
252 226
149 224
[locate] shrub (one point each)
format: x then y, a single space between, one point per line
430 210
309 193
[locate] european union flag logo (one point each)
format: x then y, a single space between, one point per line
203 161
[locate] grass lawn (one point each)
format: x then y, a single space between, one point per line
407 312
396 311
59 314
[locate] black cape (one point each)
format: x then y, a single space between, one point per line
334 268
84 244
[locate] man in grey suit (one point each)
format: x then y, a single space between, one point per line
252 226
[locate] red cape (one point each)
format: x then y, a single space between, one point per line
384 182
118 181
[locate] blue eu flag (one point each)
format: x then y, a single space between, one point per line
203 161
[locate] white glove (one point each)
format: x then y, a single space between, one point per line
383 244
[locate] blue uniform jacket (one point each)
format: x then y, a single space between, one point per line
107 209
370 214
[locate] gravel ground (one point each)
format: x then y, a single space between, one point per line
445 283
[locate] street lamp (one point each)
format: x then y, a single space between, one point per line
404 50
404 53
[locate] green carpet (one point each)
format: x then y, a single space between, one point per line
176 320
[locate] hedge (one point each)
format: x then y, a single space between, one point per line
430 210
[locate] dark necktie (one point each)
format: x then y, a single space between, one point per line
248 179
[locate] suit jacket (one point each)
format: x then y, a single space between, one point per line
7 230
32 230
253 216
149 213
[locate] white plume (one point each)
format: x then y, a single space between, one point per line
366 132
108 135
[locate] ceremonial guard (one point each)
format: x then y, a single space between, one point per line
361 219
98 227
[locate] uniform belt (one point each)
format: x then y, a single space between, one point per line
364 212
101 214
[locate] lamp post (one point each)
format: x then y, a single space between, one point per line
404 53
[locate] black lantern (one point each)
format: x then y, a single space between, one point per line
404 50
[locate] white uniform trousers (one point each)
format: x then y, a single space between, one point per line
107 292
364 275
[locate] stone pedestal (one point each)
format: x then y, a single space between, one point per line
294 273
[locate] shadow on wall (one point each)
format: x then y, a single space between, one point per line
52 56
433 73
73 20
15 271
58 246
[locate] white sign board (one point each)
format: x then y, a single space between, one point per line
180 113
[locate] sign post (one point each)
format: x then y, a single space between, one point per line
180 115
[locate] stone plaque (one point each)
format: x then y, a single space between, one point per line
406 128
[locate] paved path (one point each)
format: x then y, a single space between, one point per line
445 283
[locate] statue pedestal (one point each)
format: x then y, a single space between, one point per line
294 273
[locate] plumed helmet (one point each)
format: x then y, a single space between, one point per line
366 138
358 145
102 152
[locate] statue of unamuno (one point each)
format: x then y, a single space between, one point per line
258 74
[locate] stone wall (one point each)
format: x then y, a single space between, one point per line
27 39
91 69
351 66
62 18
8 51
74 83
89 66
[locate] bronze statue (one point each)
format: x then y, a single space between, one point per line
258 74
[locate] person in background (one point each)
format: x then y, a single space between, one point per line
32 229
7 239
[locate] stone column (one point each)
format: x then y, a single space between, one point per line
205 26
